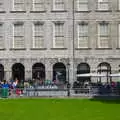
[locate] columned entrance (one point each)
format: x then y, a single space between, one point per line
18 72
59 72
1 72
38 71
104 68
83 68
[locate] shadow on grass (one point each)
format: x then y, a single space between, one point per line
107 99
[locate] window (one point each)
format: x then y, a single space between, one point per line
82 5
103 35
38 35
18 31
118 4
58 5
58 35
103 5
19 5
38 5
1 36
83 35
119 35
1 5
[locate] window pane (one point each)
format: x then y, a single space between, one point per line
58 4
104 42
103 4
103 30
18 36
83 42
1 42
83 35
19 5
38 5
18 42
38 30
18 30
38 42
1 30
38 38
59 41
59 35
83 7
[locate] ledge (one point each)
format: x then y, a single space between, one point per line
77 11
38 48
2 11
118 48
103 10
2 49
117 10
58 48
33 11
103 48
58 11
83 48
14 11
17 48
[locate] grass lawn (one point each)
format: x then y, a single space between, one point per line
58 109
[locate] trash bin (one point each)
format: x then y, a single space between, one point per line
4 93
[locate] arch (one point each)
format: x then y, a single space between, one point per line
83 68
104 68
59 72
1 72
18 72
38 71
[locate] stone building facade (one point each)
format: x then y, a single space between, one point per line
90 29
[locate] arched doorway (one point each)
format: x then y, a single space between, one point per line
1 72
104 68
18 72
83 68
38 71
59 72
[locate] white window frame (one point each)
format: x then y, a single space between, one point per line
2 36
54 36
13 7
13 43
119 35
58 9
33 5
99 35
33 34
82 3
78 32
102 2
2 4
118 4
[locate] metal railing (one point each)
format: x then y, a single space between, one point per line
63 92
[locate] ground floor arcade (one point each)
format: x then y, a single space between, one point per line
55 69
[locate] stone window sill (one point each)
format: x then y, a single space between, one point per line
15 11
103 48
58 11
78 11
38 48
33 11
83 48
17 48
58 48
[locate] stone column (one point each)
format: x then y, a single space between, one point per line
48 71
28 74
7 75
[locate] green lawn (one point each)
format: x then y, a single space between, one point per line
58 109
